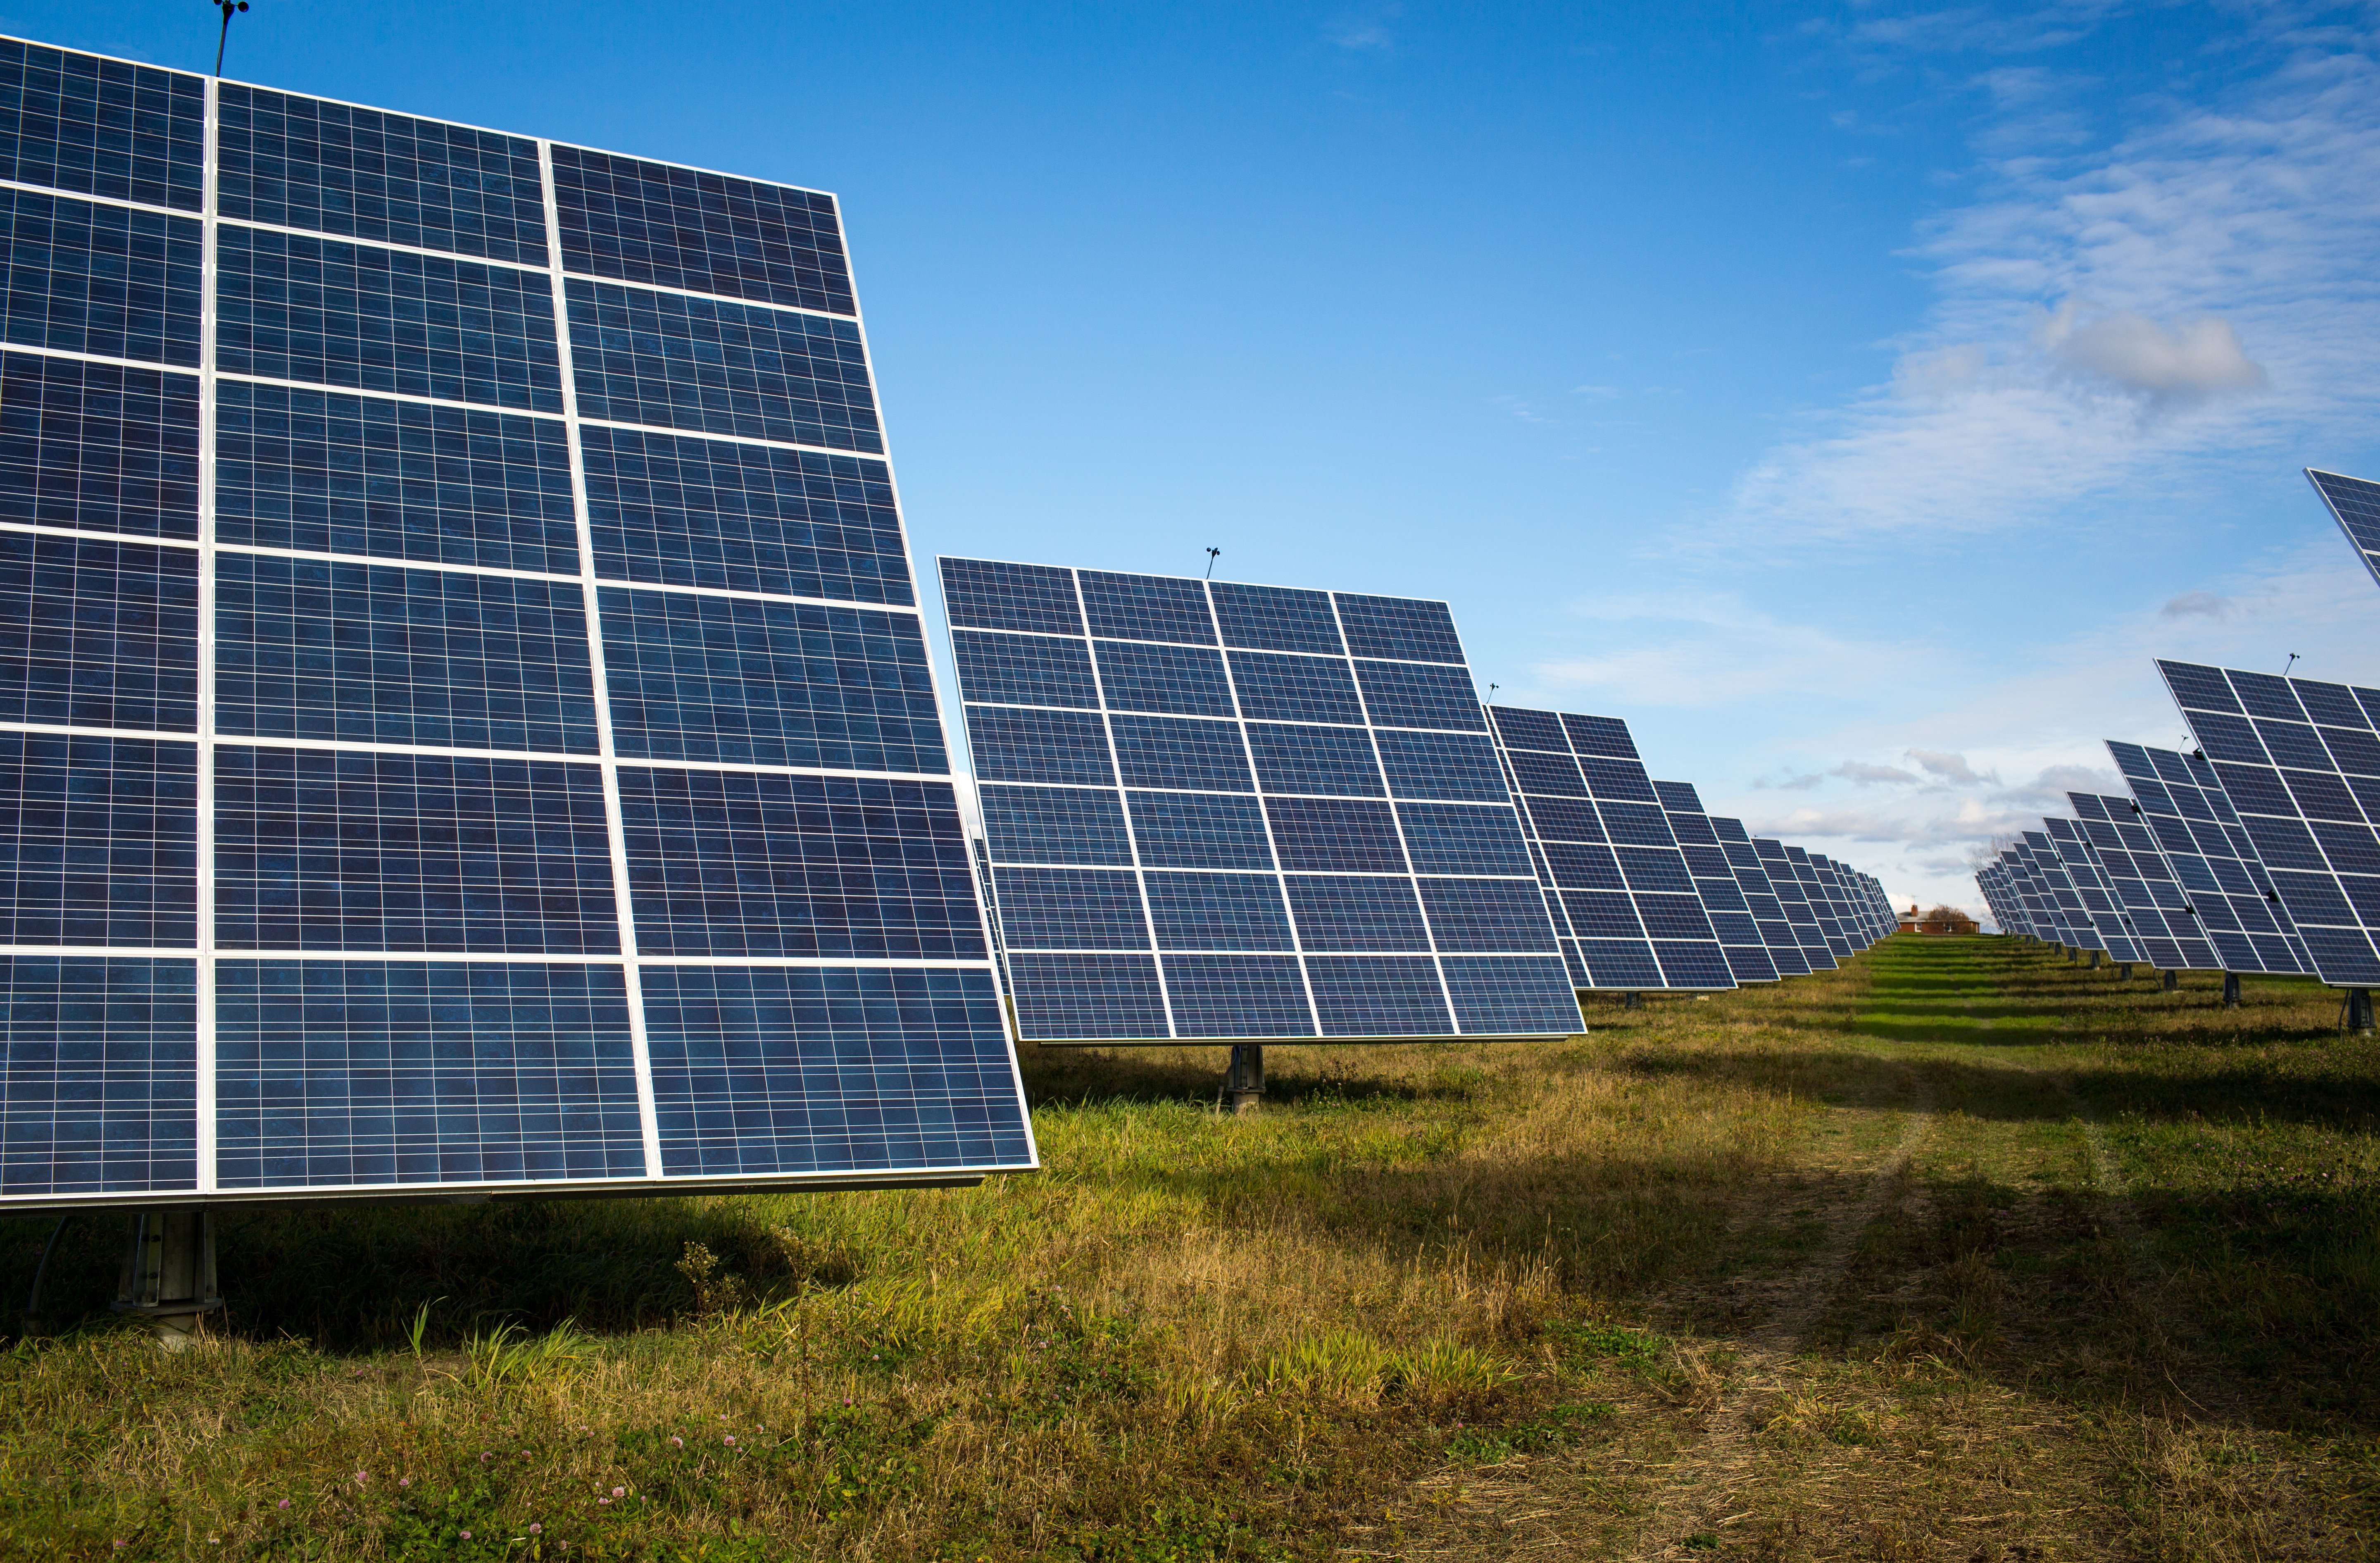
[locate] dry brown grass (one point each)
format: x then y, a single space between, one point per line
1959 1252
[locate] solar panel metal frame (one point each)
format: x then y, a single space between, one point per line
1599 757
2299 760
740 1104
1081 685
2231 897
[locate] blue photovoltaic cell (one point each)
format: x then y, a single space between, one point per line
98 1075
776 1069
1357 913
297 163
2101 904
1193 732
99 446
353 1072
87 278
76 122
292 307
1057 824
711 233
729 863
98 841
674 510
377 653
319 850
1502 992
1276 618
1337 761
1580 865
1795 900
1178 681
743 682
1732 918
1093 997
2228 898
402 588
2355 504
324 472
1217 911
705 365
2307 816
95 633
1199 830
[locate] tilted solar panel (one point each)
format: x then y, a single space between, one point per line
1723 900
1777 936
2145 884
2097 892
2065 906
1822 905
2355 503
1794 897
2227 897
1622 892
2299 761
1223 813
467 717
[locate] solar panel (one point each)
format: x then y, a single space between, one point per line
2229 898
2145 884
1224 812
2090 882
2299 761
2041 915
1785 951
1849 914
2063 904
1723 900
1989 883
1822 905
2355 504
505 756
1620 890
1794 897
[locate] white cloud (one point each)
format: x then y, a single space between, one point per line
2198 604
2196 291
1864 775
1712 648
1948 766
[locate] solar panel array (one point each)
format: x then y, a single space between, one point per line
464 713
1764 898
2355 504
1715 884
1217 811
2228 898
2111 928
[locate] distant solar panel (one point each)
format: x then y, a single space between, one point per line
1785 951
2097 892
1991 884
1223 813
1822 905
2145 887
1622 893
2355 504
2299 761
1794 897
2064 903
1723 900
2227 897
2041 918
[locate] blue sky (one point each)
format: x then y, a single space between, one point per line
1855 399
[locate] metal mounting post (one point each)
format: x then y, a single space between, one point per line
1244 1081
2124 973
2172 982
2094 960
2230 990
2358 1011
169 1272
1632 1001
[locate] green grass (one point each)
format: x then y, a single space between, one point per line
1668 1284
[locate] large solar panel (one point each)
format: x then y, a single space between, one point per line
2228 899
1723 900
2299 761
1785 951
464 713
2355 504
1795 899
1622 895
2090 882
2145 887
1217 811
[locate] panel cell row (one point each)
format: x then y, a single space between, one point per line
1089 997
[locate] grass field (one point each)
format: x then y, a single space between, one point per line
1959 1252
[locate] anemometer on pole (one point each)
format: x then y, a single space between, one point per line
223 40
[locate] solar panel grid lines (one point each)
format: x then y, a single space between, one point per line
2143 880
411 823
2299 761
2355 504
2029 894
2228 899
1280 809
2097 892
1777 935
1794 897
1620 886
1724 903
1829 926
2065 907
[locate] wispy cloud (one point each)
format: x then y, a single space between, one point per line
1712 648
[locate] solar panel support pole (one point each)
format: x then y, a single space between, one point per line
2358 1011
2124 973
1632 1001
1244 1083
2230 990
2172 982
169 1272
2094 962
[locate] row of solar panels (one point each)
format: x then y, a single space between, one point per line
2256 853
1222 813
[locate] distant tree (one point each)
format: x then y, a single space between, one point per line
1950 917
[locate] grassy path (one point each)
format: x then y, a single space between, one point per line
1959 1252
